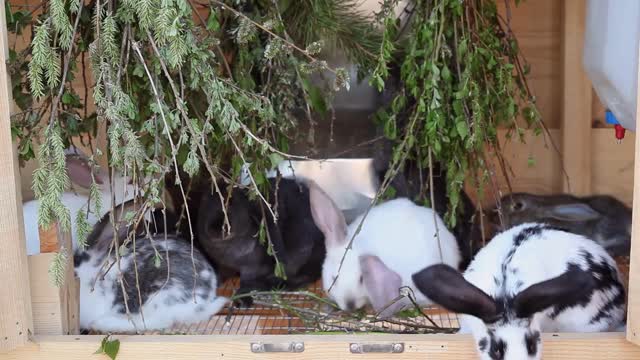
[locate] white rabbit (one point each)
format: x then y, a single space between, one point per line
397 239
169 292
529 279
80 174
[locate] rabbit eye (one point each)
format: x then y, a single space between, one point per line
517 206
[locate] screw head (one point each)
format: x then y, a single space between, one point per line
398 348
255 347
298 347
354 348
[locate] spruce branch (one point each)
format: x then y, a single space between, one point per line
265 29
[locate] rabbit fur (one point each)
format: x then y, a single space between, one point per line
397 239
602 218
79 172
406 184
170 291
529 279
297 241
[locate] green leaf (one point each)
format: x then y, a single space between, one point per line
275 159
157 261
317 99
138 70
463 129
109 347
390 129
212 22
280 271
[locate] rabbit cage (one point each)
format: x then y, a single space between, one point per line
40 321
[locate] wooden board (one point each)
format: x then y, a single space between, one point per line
15 308
633 303
55 310
576 112
535 165
432 347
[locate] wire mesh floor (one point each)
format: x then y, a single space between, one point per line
276 318
290 314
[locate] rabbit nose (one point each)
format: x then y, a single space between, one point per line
351 305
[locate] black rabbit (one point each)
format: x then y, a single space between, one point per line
297 241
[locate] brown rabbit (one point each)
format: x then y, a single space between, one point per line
602 218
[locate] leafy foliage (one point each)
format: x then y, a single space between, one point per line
461 79
109 347
58 267
183 89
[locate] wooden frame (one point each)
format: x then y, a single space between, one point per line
20 340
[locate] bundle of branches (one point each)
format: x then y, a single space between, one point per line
461 78
182 86
318 314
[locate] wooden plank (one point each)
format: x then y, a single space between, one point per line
433 347
612 164
15 300
533 166
49 239
576 113
633 302
55 310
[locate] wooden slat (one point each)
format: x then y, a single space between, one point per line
633 303
15 298
433 347
612 164
55 310
576 113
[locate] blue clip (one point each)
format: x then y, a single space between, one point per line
610 118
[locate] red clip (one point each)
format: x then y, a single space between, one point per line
619 132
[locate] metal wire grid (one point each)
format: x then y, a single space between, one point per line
266 320
271 321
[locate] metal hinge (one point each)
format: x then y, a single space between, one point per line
292 347
392 348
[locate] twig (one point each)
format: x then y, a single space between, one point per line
174 151
433 204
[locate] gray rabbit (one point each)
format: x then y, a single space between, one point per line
602 218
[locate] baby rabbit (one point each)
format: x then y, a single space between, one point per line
297 242
397 239
529 279
601 218
170 292
80 174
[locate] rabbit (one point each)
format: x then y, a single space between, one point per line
297 241
407 183
170 291
79 172
529 279
601 218
397 239
350 182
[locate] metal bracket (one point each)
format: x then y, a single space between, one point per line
393 348
292 347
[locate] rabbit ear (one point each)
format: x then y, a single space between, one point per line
561 291
382 284
573 212
447 287
78 169
327 217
